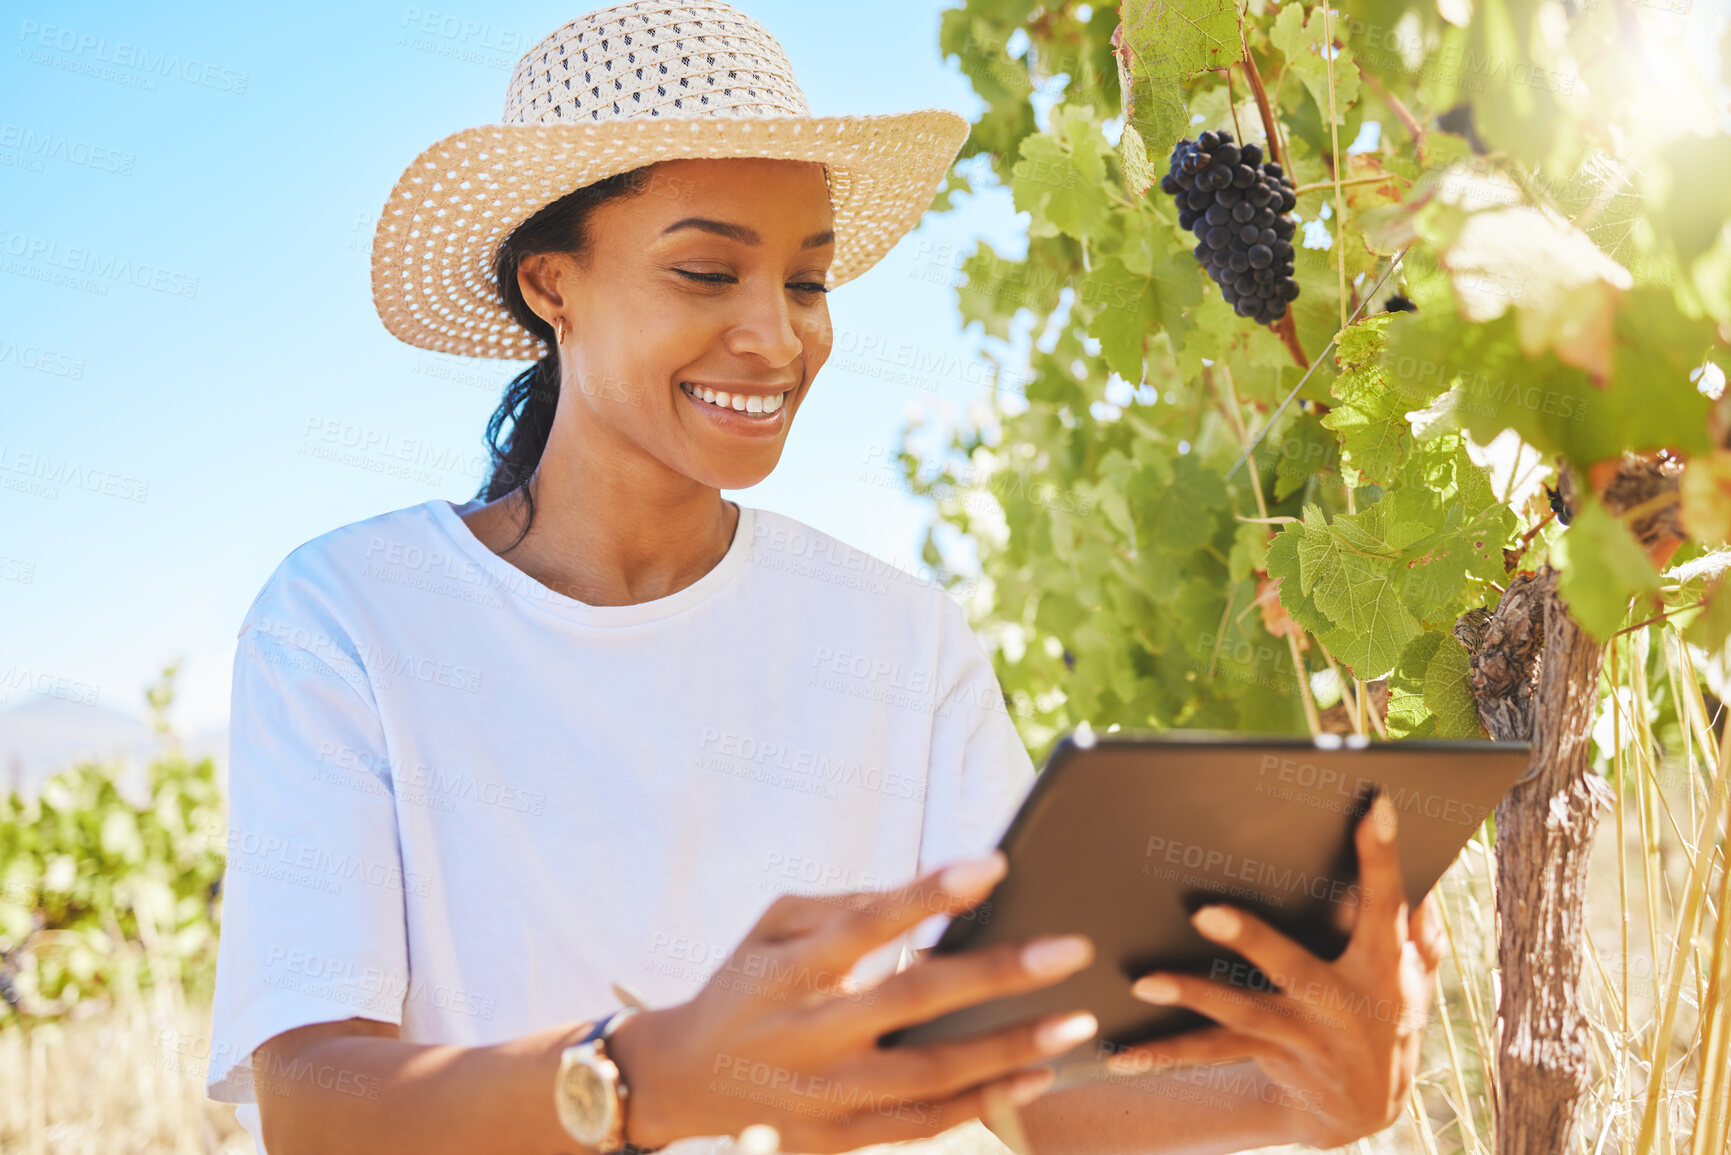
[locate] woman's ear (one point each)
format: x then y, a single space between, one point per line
538 279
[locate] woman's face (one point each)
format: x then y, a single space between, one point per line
709 282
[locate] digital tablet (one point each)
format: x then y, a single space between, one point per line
1123 836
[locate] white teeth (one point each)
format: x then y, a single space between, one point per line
738 402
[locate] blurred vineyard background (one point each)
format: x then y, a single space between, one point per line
109 909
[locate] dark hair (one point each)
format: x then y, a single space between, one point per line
532 397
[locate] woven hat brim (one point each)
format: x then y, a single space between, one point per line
433 247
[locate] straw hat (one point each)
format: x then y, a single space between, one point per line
619 88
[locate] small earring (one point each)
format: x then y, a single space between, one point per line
559 328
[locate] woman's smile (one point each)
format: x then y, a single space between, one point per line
753 414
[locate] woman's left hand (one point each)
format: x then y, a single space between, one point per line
1341 1037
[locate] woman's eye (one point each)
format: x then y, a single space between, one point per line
721 278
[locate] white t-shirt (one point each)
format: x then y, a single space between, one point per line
466 804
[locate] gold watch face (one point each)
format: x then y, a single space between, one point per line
590 1099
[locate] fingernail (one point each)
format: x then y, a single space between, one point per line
1026 1088
1130 1064
1217 922
971 877
1056 956
1156 989
1062 1034
1383 815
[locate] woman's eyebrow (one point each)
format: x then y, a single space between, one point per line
741 233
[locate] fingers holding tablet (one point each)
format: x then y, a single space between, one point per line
1380 927
1285 962
1341 1037
945 983
947 1069
1425 929
870 918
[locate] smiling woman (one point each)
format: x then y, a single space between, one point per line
492 761
675 711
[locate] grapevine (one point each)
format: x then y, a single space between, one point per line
1170 544
88 876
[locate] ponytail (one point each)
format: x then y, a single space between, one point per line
530 401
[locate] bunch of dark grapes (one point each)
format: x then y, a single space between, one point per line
1237 207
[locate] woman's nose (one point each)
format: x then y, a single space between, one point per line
769 327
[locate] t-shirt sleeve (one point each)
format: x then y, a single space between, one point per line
979 771
313 924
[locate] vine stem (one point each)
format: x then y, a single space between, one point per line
1281 408
1329 53
1285 328
1231 400
1287 331
1311 717
1356 696
1232 103
1375 178
1300 674
1401 112
1251 74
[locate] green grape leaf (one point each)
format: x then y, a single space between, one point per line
1696 171
1371 419
1553 407
1121 324
1408 715
1430 690
1305 450
1302 41
1059 177
1283 565
1432 577
1448 690
954 181
1711 626
1249 550
979 39
1128 306
1347 569
1181 515
1602 566
1165 44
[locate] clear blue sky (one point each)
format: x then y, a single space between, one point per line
188 195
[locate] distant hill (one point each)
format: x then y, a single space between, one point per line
44 734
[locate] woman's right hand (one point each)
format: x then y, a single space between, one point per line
795 1046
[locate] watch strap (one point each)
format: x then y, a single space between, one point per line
604 1026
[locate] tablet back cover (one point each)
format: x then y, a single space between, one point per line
1124 838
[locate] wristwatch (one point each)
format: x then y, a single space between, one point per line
590 1092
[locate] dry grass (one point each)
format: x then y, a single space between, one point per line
114 1083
